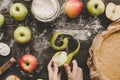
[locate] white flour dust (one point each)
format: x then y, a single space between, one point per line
41 42
5 4
79 34
12 41
1 36
94 24
92 27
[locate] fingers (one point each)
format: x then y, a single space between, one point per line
68 70
59 76
75 66
50 70
80 71
55 68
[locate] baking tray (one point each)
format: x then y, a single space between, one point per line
86 26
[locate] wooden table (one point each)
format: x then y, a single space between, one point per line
86 25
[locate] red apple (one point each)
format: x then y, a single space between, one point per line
73 8
12 77
28 63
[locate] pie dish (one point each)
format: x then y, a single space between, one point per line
104 59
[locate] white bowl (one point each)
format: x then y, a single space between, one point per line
45 10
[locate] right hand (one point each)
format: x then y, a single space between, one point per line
76 73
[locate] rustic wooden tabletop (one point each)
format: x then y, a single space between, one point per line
85 25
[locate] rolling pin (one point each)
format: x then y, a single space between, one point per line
7 65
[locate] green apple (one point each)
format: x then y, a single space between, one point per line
2 19
22 34
18 11
60 58
95 7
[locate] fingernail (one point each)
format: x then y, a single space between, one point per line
65 64
73 60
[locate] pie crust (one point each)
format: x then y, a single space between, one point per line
104 59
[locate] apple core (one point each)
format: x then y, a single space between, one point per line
17 9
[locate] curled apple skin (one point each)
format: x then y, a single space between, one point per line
60 58
53 45
72 54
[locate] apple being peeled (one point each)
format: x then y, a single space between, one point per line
73 8
18 11
60 58
112 11
22 34
12 77
28 63
95 7
2 19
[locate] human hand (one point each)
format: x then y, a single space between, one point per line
76 73
53 71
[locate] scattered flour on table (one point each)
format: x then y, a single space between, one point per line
41 42
78 34
94 24
12 41
1 36
5 4
92 27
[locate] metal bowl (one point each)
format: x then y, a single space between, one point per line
45 10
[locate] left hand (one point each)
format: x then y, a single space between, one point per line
53 71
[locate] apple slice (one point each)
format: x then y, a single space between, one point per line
4 49
12 77
113 11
